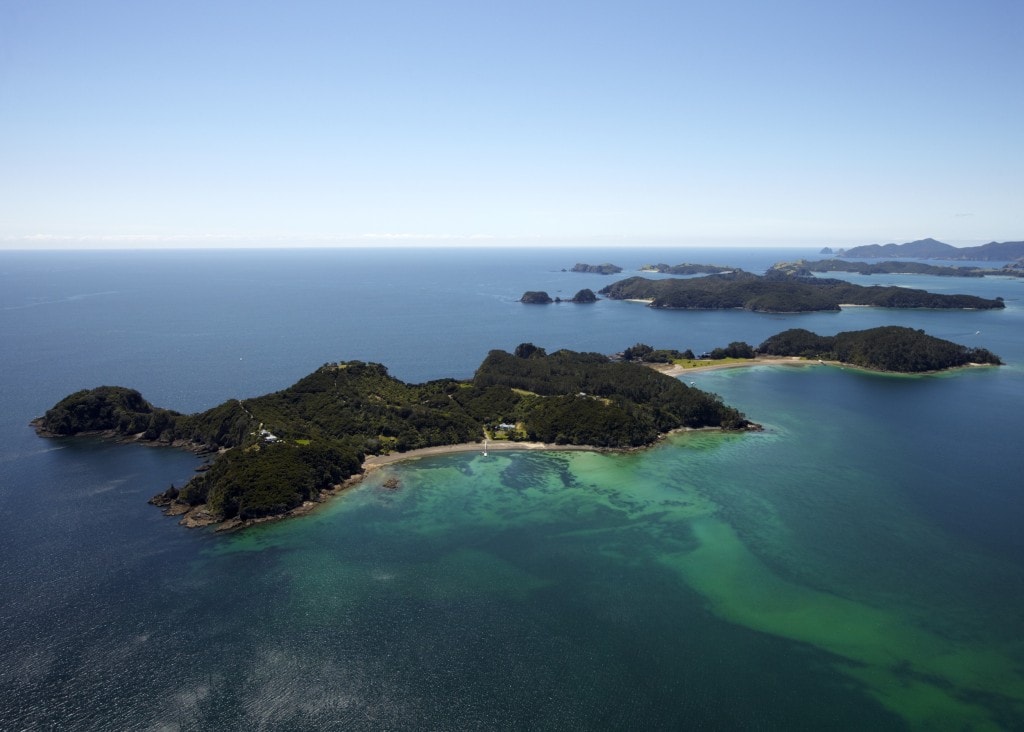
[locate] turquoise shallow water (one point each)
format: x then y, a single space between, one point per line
858 565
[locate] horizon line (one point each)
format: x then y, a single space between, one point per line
117 242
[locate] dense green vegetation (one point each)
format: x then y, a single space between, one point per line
109 408
736 349
777 292
599 401
276 451
605 269
269 479
888 348
643 353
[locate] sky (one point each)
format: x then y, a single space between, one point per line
774 122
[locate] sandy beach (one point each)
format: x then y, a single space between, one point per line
676 370
376 461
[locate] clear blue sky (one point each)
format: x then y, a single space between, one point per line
775 122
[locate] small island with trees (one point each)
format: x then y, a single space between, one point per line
886 349
604 269
539 297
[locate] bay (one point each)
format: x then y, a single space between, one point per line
857 565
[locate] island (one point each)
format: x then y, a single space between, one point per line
687 269
279 453
886 348
603 269
780 292
586 295
890 349
804 267
539 297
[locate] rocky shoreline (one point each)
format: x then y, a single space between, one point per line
199 516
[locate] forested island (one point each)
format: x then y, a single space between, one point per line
539 297
803 266
270 454
779 292
890 348
887 348
605 269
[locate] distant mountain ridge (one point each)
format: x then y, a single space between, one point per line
933 249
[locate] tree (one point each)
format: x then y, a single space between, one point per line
528 350
637 352
736 349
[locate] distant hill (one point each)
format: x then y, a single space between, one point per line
1009 250
932 249
920 249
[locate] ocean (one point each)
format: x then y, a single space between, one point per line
859 564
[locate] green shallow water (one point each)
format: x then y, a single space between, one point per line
651 590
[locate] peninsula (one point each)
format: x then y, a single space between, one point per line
274 453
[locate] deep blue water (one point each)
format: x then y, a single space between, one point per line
858 565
